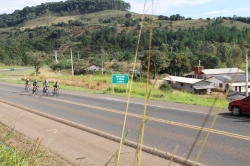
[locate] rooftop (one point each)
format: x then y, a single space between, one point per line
182 79
222 71
232 77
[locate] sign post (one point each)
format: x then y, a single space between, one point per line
120 79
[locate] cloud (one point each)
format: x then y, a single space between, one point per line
216 12
11 5
245 9
161 6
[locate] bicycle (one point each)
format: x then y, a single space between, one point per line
27 88
46 91
35 90
56 92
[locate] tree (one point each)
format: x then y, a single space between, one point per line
128 15
37 60
158 62
179 64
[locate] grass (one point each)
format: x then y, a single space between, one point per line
16 149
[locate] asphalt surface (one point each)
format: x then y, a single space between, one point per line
16 69
169 125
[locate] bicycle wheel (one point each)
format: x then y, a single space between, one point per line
47 92
36 91
57 92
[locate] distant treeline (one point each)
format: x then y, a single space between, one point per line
61 8
176 17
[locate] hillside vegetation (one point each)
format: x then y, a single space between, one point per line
106 32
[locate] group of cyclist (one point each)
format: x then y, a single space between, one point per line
45 84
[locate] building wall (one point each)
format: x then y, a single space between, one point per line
220 86
203 83
94 67
182 86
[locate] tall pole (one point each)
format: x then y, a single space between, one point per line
247 73
72 68
102 64
55 56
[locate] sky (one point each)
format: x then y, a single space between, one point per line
188 8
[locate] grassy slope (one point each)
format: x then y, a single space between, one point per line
94 20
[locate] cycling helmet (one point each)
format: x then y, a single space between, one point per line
36 81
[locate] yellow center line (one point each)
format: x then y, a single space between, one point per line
159 120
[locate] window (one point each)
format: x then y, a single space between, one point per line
181 84
220 85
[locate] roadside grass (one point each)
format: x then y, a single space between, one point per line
16 149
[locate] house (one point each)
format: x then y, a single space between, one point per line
201 73
236 82
94 67
190 84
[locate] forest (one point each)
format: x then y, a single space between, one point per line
175 50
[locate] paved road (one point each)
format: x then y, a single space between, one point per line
169 125
16 69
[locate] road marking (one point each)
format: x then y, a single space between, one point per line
156 119
159 120
53 130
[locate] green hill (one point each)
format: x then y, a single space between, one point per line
216 42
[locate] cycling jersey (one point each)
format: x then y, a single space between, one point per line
56 85
27 81
45 83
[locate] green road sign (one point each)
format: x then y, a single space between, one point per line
120 78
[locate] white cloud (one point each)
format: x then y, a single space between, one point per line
245 9
161 6
216 12
10 6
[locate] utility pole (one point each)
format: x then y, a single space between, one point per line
56 56
247 73
72 68
102 64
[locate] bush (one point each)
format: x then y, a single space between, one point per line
118 89
165 87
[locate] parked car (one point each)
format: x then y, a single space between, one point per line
241 106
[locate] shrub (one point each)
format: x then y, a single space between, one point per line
165 87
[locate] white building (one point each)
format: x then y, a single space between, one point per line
190 84
201 73
235 82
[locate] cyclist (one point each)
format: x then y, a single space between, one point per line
45 84
56 86
27 83
35 84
